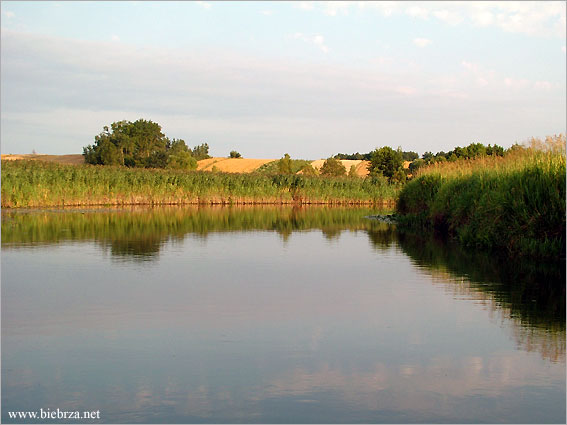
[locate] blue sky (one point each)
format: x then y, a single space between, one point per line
265 78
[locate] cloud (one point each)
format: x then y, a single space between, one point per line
204 4
332 8
516 83
563 49
418 12
304 5
449 17
267 12
9 14
115 37
421 42
229 98
534 18
318 40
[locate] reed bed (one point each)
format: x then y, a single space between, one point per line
515 203
39 184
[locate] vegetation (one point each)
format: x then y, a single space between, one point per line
389 163
234 154
142 144
286 165
332 167
41 184
514 202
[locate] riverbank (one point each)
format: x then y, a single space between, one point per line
515 204
41 184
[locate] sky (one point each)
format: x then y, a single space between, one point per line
311 79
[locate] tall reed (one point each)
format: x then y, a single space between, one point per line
39 184
515 203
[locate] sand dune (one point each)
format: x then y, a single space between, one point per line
232 165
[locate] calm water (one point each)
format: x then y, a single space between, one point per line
272 315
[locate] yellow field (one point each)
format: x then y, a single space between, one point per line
60 159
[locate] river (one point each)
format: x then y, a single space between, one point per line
271 315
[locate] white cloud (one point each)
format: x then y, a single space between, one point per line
450 17
535 18
478 75
563 49
421 42
417 12
115 37
9 14
333 7
318 40
204 4
516 83
225 96
483 18
305 5
267 12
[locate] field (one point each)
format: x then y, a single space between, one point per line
73 159
231 165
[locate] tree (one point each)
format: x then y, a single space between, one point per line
308 170
133 144
139 144
201 151
386 161
234 154
410 156
352 171
284 165
333 167
180 157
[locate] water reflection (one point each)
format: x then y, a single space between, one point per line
139 233
209 317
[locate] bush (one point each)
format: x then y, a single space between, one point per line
234 154
333 167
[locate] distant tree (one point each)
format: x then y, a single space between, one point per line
284 165
308 170
332 167
427 156
353 156
179 156
409 156
234 154
416 164
352 171
386 161
201 151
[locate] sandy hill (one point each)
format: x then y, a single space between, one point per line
61 159
232 165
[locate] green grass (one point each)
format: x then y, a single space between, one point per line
40 184
515 203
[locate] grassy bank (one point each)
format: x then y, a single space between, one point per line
514 203
39 184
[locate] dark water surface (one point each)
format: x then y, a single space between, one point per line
272 315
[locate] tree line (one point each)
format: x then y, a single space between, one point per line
143 144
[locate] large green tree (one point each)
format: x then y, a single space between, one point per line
138 144
332 167
387 162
